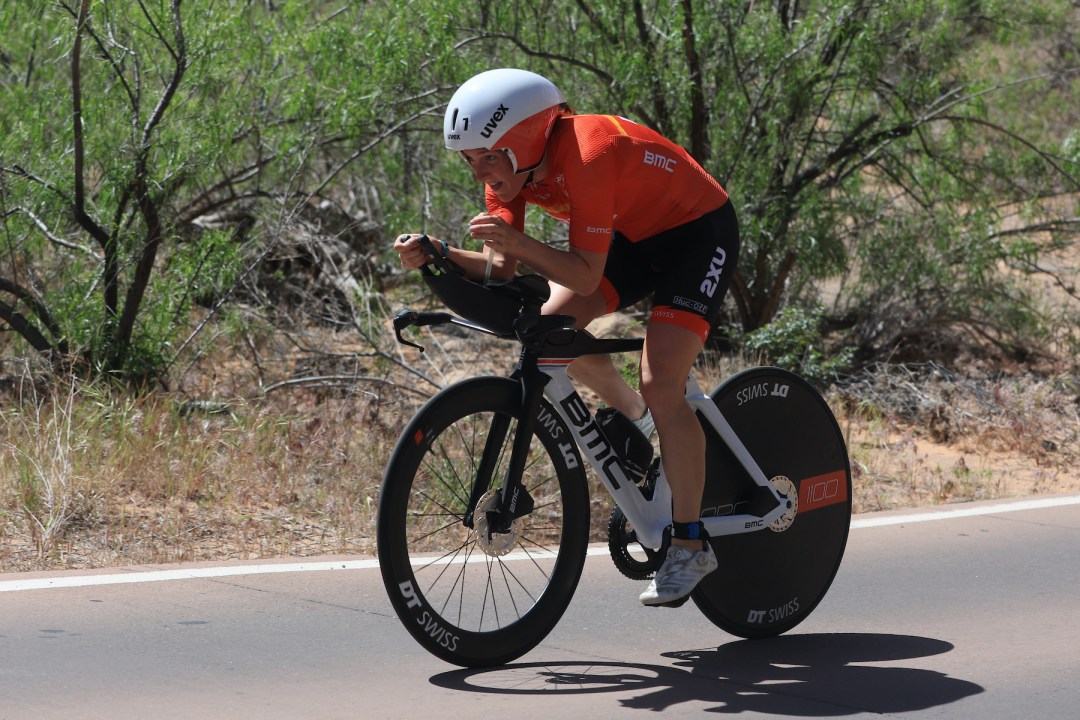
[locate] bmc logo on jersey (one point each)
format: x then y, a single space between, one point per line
712 278
658 160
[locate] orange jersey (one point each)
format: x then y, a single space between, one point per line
607 174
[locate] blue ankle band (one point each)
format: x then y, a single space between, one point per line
687 531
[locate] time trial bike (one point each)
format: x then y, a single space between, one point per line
483 516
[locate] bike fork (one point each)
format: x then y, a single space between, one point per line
493 448
514 501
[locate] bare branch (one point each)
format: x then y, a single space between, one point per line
176 54
660 116
1065 281
103 46
23 326
205 202
81 216
699 139
371 144
340 381
19 171
76 101
26 329
220 303
1050 159
576 62
180 65
56 239
587 8
155 231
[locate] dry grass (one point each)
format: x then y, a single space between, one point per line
92 478
925 435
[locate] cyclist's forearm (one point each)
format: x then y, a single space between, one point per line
579 271
475 264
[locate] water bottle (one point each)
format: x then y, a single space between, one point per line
630 444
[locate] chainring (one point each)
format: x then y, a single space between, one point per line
621 537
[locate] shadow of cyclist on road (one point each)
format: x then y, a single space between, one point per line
813 676
816 675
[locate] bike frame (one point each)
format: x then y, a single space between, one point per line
543 371
649 517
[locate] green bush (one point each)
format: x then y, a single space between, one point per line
794 341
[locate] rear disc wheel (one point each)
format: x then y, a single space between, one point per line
771 580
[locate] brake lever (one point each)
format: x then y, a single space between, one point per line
404 319
411 318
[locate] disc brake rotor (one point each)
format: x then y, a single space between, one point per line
494 544
785 487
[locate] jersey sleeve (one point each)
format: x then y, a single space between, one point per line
592 209
513 213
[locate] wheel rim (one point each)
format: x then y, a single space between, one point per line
455 595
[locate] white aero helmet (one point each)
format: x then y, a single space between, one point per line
505 109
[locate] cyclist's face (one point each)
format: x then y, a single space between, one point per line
493 168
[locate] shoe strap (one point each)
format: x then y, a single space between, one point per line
690 531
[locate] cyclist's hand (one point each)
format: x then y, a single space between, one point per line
496 233
408 249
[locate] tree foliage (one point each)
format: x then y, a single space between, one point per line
858 139
151 152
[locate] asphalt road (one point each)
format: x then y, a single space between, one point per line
974 614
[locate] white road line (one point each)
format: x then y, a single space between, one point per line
137 576
140 576
963 512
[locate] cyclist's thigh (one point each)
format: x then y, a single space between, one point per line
629 275
583 308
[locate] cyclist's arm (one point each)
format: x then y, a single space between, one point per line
473 263
576 269
582 266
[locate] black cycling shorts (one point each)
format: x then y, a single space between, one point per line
686 269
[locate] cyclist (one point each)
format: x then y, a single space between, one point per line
644 219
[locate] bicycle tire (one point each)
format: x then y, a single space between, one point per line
770 581
466 604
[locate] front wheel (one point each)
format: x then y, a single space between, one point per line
472 594
771 579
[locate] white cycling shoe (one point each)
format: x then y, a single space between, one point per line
645 423
682 570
